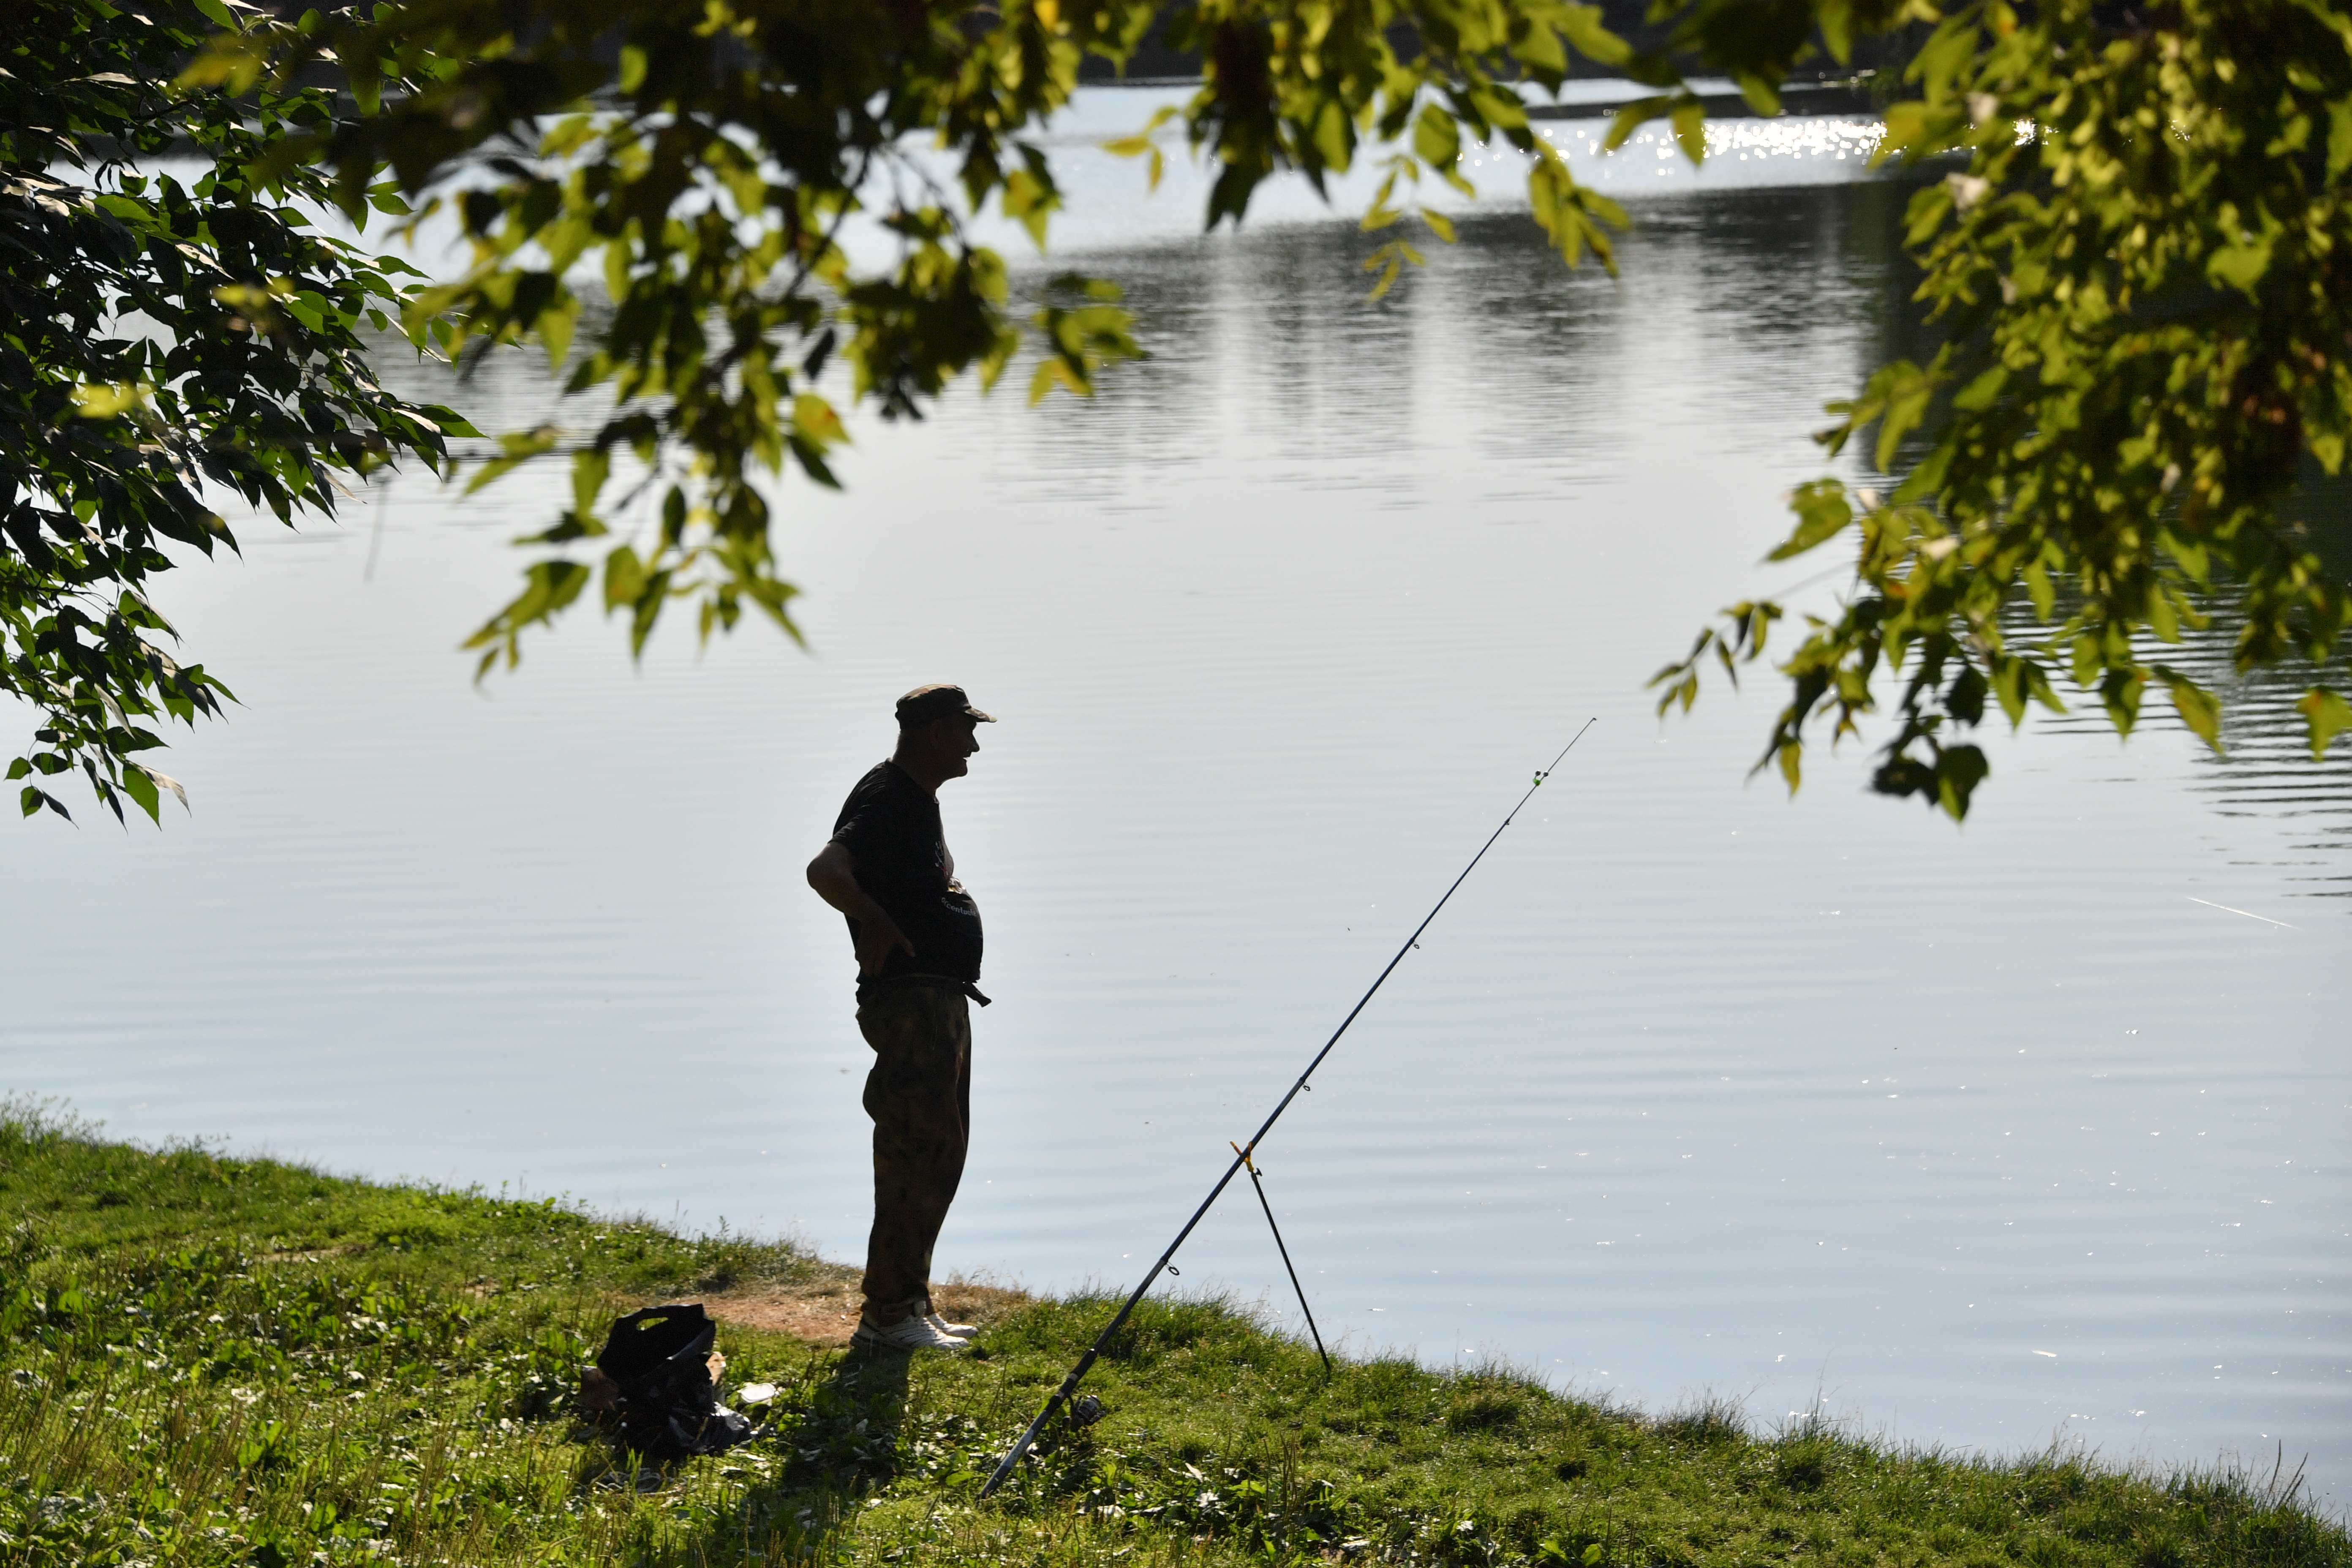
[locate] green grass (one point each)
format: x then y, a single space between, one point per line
213 1361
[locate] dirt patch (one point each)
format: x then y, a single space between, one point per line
825 1311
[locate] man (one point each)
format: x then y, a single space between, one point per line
917 936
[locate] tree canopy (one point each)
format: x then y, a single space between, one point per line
2133 270
2145 283
158 338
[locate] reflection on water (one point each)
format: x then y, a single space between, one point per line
2265 774
1982 1133
2298 812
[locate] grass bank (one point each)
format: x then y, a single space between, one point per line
213 1361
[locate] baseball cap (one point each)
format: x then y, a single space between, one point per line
926 703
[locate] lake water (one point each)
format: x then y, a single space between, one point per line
1981 1135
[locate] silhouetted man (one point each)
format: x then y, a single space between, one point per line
917 936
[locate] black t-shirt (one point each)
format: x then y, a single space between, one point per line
891 825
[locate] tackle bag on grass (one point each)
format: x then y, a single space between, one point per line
655 1385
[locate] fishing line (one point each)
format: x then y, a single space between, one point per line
1242 1153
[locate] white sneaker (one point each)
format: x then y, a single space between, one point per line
954 1331
909 1333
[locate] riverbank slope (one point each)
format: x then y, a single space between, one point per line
217 1361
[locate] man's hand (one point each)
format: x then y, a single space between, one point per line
876 935
834 875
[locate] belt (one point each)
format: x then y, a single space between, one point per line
972 991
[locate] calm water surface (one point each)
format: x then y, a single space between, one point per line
1981 1135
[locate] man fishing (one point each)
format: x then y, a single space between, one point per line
917 936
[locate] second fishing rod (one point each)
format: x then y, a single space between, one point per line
1242 1153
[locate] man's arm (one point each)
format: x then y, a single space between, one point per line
834 875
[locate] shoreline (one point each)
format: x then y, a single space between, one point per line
211 1359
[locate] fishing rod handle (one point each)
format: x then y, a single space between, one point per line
1093 1351
1029 1438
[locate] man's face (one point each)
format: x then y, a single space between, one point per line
954 741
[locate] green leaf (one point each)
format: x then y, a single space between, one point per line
1763 98
1958 770
624 578
1390 260
1633 117
2325 715
109 401
1821 510
1901 392
2198 709
1836 20
2041 590
142 791
2240 265
816 420
308 308
217 14
1437 137
1983 391
567 528
554 327
515 448
447 421
367 92
1907 127
1030 201
590 466
1137 145
1587 32
1690 129
1542 53
2016 681
2120 689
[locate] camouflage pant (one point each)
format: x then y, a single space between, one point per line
919 1096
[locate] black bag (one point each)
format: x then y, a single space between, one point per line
655 1385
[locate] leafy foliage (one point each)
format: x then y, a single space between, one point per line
2145 275
2136 275
707 154
158 337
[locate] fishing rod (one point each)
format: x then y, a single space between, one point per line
1242 1153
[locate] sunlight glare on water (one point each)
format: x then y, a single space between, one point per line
1979 1134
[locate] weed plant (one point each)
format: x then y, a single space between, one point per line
212 1361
